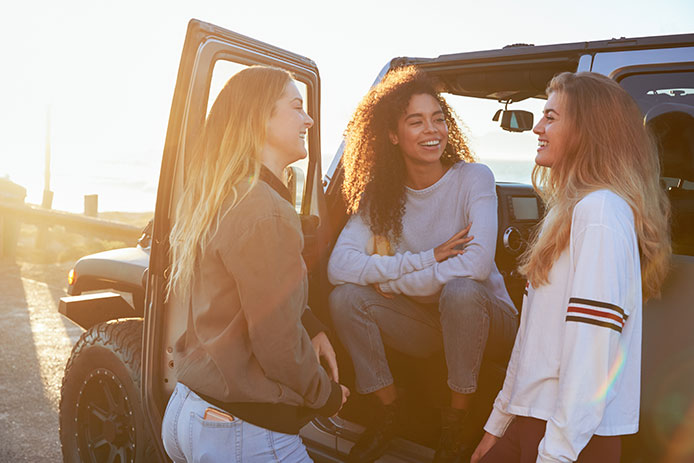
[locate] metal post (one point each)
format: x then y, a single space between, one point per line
47 193
47 201
2 237
91 205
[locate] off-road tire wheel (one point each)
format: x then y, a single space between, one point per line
101 414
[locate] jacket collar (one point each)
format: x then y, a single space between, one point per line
274 183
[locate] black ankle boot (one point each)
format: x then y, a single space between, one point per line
378 434
451 435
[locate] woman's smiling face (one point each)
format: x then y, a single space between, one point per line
287 127
553 131
422 132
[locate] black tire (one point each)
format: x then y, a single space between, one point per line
101 414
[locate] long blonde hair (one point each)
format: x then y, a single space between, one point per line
226 154
609 149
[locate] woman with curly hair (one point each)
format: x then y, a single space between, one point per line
572 385
407 274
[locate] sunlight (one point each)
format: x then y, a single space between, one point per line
52 340
110 98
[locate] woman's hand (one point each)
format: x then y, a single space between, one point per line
447 249
345 394
380 291
323 349
488 441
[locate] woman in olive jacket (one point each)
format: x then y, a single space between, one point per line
248 372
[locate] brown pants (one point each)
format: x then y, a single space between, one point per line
519 444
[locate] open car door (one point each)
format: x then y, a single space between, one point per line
211 55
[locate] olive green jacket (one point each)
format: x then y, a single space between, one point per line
245 341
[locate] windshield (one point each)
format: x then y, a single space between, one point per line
510 155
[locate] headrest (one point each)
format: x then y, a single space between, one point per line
673 127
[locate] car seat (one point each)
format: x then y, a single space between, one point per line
673 127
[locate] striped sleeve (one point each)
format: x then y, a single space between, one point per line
597 305
500 418
596 313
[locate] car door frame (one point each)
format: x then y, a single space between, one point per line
204 45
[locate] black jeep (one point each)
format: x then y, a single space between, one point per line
119 377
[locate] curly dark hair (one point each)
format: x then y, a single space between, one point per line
375 170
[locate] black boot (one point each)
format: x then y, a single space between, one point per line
451 435
378 434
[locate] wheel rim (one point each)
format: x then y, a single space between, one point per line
105 421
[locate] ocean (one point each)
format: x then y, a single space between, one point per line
126 184
130 184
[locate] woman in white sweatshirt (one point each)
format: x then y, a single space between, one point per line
402 278
572 386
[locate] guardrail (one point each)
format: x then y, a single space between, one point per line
25 213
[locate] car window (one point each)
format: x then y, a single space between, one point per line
510 155
222 72
654 88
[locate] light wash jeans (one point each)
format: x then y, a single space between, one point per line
189 438
467 324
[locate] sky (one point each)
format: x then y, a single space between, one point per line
105 71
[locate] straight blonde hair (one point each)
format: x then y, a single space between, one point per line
226 157
609 149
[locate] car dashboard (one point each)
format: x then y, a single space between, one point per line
519 211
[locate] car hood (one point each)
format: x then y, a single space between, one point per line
126 265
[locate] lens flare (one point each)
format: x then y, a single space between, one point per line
681 446
612 376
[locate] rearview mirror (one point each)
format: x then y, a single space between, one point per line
514 120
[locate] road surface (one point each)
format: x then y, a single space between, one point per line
35 343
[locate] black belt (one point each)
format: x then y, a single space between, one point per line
278 417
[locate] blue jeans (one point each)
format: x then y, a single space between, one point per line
467 323
188 437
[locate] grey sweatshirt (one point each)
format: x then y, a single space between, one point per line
465 194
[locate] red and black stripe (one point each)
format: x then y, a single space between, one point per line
596 313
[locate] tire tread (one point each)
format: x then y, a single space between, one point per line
123 338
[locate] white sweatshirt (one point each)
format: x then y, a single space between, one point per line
465 194
576 362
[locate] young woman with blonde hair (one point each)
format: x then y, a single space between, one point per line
572 386
248 372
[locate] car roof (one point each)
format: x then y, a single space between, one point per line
521 50
521 71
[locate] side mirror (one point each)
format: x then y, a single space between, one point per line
514 120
